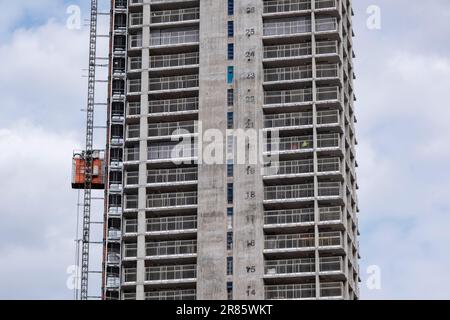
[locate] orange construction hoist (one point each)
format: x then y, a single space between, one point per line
98 170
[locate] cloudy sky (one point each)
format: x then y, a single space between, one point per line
403 72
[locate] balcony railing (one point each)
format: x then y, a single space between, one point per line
173 83
130 250
132 154
298 266
286 6
170 273
289 241
136 19
176 15
130 226
291 143
303 291
131 202
298 26
171 295
326 24
293 216
302 240
134 109
129 275
172 152
326 47
290 291
326 4
298 216
330 214
328 117
174 60
173 105
331 290
178 199
327 93
325 189
331 264
291 266
171 248
168 224
174 37
133 131
327 71
287 51
172 128
287 96
329 164
288 73
172 175
288 120
330 239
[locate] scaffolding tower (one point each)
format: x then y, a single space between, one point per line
88 165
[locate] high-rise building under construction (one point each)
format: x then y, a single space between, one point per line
179 226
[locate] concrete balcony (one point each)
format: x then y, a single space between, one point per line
292 7
174 61
131 202
187 294
136 20
291 244
290 194
174 39
290 292
172 201
130 251
171 225
173 84
300 120
307 291
286 6
297 28
165 130
328 72
131 155
303 144
173 107
129 276
278 55
287 75
172 177
181 249
287 99
130 227
185 16
167 275
300 219
163 153
298 269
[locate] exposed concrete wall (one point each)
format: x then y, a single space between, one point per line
212 180
142 192
248 268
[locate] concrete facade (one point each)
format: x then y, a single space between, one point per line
181 227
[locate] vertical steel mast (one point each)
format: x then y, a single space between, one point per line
89 152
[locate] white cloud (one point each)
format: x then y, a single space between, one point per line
39 211
403 80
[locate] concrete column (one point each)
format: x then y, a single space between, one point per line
248 270
142 191
212 179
